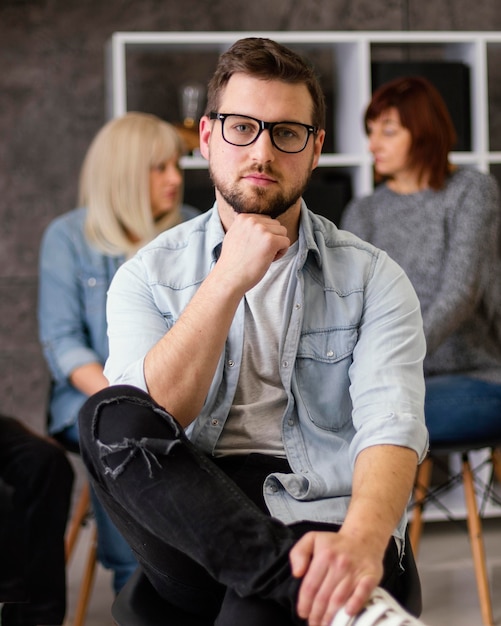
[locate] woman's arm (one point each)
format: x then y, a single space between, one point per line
89 378
470 254
61 315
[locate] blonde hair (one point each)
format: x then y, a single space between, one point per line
115 182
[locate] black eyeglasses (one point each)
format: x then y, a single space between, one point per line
242 130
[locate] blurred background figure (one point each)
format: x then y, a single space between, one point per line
441 224
36 480
131 189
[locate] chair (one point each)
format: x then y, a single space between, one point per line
138 604
81 516
431 488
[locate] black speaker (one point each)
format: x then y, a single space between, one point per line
198 189
328 193
451 78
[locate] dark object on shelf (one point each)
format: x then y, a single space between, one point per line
452 79
328 193
198 189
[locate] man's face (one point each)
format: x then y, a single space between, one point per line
259 178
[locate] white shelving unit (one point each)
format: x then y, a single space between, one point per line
351 54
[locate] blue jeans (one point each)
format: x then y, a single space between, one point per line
461 408
113 552
199 527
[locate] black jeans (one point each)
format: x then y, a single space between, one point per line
199 528
36 480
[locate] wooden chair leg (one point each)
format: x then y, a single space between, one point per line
423 478
477 543
81 511
87 581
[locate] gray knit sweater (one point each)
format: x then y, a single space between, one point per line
448 244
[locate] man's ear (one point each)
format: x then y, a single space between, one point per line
205 130
319 142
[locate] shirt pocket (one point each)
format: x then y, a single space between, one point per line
93 288
322 368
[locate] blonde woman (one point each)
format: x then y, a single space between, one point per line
131 189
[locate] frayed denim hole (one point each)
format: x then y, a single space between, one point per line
115 457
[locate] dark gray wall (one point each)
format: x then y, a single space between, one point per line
52 104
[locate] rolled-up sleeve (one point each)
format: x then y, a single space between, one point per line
62 329
387 382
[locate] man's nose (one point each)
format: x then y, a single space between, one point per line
263 148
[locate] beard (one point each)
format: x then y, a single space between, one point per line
259 200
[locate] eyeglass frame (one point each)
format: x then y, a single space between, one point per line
269 126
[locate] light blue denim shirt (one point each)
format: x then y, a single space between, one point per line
73 285
351 356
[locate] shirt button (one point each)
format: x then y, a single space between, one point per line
330 353
91 282
285 363
231 363
214 422
297 305
290 422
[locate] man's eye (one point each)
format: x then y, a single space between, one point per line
243 128
285 132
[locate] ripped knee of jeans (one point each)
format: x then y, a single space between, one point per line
115 457
129 427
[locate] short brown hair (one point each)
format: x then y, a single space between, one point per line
268 60
424 113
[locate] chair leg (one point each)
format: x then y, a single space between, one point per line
81 511
421 486
477 543
87 581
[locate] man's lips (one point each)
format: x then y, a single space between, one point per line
259 179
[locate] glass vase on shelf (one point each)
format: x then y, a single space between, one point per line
192 99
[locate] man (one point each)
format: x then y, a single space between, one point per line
291 355
36 480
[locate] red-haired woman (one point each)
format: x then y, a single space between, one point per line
441 224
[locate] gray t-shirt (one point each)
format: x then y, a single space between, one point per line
254 423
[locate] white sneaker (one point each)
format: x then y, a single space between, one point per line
381 609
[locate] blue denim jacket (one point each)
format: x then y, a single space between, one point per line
351 356
74 281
